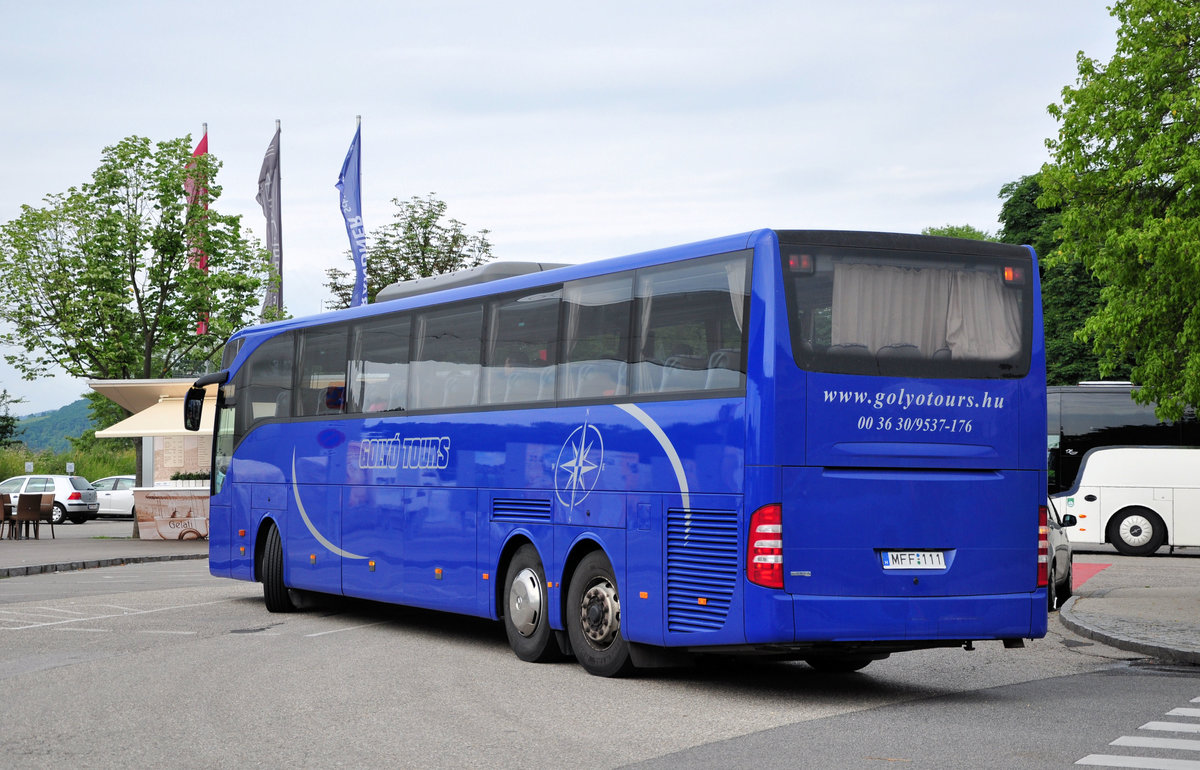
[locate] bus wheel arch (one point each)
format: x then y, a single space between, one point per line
1136 531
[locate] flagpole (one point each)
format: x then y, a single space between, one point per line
279 232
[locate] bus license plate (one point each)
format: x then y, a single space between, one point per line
914 560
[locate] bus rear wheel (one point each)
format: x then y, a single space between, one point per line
1137 531
527 609
276 595
594 618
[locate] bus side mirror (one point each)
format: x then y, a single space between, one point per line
193 407
1068 520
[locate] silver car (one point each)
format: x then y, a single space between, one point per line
74 497
1062 557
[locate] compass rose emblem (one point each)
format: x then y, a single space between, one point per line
579 463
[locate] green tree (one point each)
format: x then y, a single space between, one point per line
9 430
101 279
104 413
1125 171
416 244
959 231
1069 293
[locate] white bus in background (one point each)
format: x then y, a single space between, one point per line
1136 498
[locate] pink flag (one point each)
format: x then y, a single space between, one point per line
197 257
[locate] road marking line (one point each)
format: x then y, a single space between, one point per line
125 614
28 615
1184 713
1178 727
184 633
59 609
1143 763
348 628
92 630
1157 743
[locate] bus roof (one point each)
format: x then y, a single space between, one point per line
492 271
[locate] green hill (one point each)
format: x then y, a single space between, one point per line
50 430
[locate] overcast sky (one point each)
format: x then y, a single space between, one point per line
570 131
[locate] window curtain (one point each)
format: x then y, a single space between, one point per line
735 277
968 312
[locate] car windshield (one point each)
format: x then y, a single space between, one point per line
80 483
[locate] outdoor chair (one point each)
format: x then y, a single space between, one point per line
8 517
29 511
46 509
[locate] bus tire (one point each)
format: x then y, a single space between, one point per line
1137 531
594 618
527 608
276 595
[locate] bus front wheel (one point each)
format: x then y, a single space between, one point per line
594 618
527 609
1137 532
276 595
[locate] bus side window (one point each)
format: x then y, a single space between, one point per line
322 371
596 337
446 364
690 325
266 387
520 348
378 373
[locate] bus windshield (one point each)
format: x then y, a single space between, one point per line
908 313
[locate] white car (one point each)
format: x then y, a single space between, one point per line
115 495
74 497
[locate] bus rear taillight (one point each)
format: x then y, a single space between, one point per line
1043 548
764 554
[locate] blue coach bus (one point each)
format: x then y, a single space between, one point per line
817 445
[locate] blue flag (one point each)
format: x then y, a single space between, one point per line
349 185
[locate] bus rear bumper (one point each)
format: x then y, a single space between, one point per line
784 618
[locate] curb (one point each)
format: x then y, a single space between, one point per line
1157 651
70 566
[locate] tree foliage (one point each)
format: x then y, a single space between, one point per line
1125 171
100 280
959 231
1070 294
9 429
416 244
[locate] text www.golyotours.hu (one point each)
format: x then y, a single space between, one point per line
907 400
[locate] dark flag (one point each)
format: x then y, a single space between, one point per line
349 185
196 189
268 198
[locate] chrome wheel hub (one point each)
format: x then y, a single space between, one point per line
600 614
525 602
